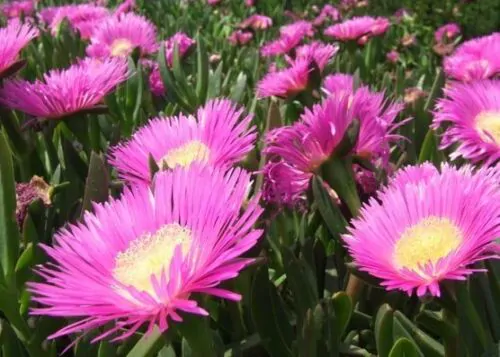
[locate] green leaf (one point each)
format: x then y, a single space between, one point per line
269 316
302 283
383 330
215 81
195 330
366 277
311 329
203 69
97 183
9 232
330 212
433 322
429 346
171 89
106 349
342 305
148 345
404 348
430 150
167 351
238 90
180 77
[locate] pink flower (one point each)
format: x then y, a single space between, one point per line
249 3
475 59
213 2
392 56
140 259
290 36
338 84
125 6
64 92
287 82
328 12
420 232
15 9
219 136
155 81
447 33
357 27
318 52
240 38
184 44
257 22
299 150
119 36
83 18
471 115
13 39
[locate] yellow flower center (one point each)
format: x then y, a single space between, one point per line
121 47
149 255
184 155
427 241
488 126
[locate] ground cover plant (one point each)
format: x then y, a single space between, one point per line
249 178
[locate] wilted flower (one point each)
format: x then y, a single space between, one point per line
240 38
218 136
28 193
413 94
473 112
257 22
64 92
183 43
15 9
475 59
357 27
140 259
402 14
392 56
13 39
84 18
447 33
318 52
119 36
299 150
287 82
427 227
408 40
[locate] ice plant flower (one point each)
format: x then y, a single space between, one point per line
83 18
472 111
125 6
475 59
240 38
80 87
357 27
184 44
287 82
218 136
318 52
119 36
13 38
427 227
447 33
290 36
392 56
14 9
328 12
338 83
139 259
257 22
296 152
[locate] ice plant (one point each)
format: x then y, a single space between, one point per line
472 111
80 87
13 38
338 83
240 38
475 59
447 33
392 56
290 36
139 259
287 82
14 9
257 22
299 150
357 27
182 41
84 18
125 6
427 227
318 52
119 36
219 135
